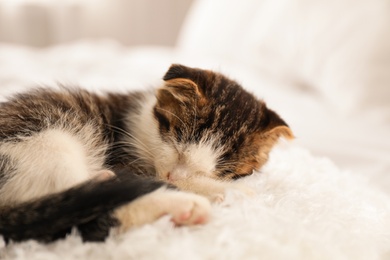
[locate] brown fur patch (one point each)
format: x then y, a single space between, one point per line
256 149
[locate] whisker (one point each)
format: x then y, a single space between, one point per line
194 124
138 143
124 144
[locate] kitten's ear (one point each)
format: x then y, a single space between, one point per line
180 84
274 126
179 71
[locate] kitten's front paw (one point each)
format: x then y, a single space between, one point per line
219 197
189 209
184 209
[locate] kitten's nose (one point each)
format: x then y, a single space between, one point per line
177 173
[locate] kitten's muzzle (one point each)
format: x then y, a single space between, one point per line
178 173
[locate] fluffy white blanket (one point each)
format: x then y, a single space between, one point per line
304 208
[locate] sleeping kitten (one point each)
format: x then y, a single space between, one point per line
71 158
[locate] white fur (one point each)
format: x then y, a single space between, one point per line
191 160
146 138
47 162
200 158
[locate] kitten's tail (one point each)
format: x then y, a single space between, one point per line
86 206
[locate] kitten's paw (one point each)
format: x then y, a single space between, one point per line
184 209
235 188
189 209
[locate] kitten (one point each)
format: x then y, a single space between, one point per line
71 158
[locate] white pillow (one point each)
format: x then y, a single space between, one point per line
217 27
340 48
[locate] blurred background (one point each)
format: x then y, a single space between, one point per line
324 65
41 23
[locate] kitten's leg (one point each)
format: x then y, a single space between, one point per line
213 189
47 162
184 208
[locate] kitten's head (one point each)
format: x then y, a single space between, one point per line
211 126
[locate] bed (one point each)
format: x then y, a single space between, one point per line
324 195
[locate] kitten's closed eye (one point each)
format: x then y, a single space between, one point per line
162 119
238 176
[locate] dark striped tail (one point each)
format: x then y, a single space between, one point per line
87 206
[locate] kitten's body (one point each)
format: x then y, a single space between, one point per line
59 150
